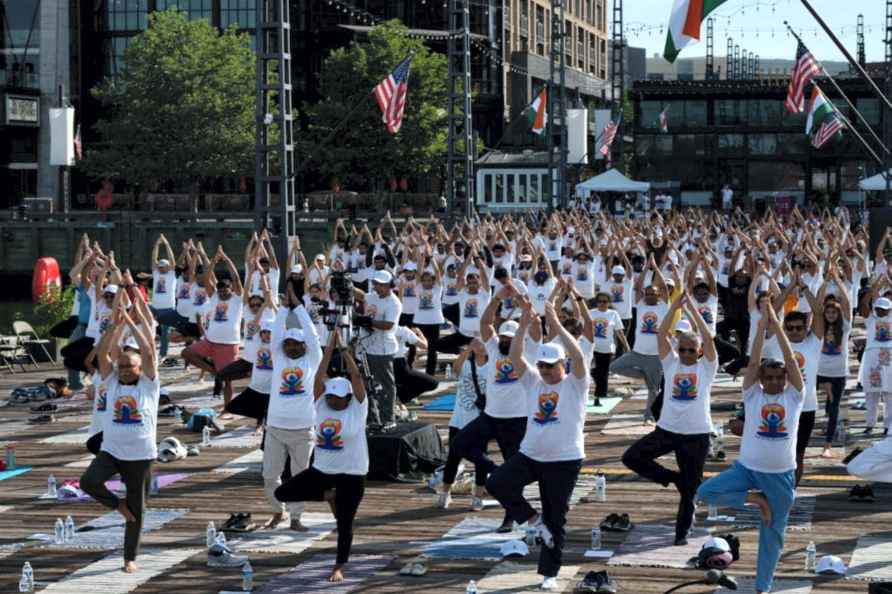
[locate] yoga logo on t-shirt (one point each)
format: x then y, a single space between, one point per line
451 290
264 359
505 371
582 275
201 298
471 308
772 424
601 327
829 346
547 412
126 411
328 436
617 292
706 312
104 322
800 361
252 327
684 386
221 311
292 382
427 300
409 291
884 357
101 398
883 333
649 323
184 291
875 378
161 285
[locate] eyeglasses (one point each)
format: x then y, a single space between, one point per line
687 350
544 365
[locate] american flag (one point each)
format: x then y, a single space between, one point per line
805 69
828 130
391 95
78 145
608 136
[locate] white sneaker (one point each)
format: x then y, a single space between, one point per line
549 583
220 555
476 503
444 500
544 533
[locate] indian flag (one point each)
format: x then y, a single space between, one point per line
536 113
819 109
684 24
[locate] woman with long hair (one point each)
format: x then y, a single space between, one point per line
833 368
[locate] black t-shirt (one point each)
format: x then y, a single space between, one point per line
737 306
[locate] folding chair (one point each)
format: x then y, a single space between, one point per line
9 353
27 337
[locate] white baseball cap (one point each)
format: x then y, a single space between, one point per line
526 258
717 543
410 266
293 334
131 343
618 270
382 277
320 257
550 352
830 565
508 328
338 386
514 548
297 269
684 326
267 325
113 289
882 303
163 263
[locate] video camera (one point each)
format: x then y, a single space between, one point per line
342 287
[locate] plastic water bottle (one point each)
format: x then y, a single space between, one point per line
59 532
153 485
211 535
448 378
220 539
720 439
206 436
472 587
178 414
69 529
596 539
247 577
601 487
530 537
712 513
10 456
811 552
51 486
26 583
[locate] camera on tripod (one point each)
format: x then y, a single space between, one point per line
342 287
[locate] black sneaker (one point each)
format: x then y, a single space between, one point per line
681 541
44 408
855 493
42 420
867 494
867 431
597 582
388 428
240 522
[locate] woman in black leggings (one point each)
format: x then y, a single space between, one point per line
833 368
341 454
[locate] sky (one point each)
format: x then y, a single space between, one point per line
752 21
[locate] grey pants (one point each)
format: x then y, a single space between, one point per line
381 407
280 444
646 367
135 476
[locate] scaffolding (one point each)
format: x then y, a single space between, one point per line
557 108
710 49
460 137
729 60
274 151
618 81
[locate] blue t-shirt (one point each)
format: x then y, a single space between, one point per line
83 302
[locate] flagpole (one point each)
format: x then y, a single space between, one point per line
848 101
849 125
854 63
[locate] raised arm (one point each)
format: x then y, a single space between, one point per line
311 335
517 343
706 340
487 330
322 372
664 334
577 359
751 375
794 376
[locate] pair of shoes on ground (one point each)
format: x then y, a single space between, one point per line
42 420
539 532
598 582
862 494
238 522
221 555
45 408
414 568
617 523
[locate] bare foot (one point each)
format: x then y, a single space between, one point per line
759 500
648 422
128 515
130 567
276 520
226 417
298 527
336 574
827 453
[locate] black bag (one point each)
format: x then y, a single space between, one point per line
65 328
480 401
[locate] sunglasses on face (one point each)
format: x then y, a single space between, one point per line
543 365
687 350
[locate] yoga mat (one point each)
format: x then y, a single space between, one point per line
81 462
242 437
13 429
799 520
607 405
251 462
108 530
10 549
444 403
79 436
511 576
585 484
472 538
872 559
116 486
311 576
747 585
653 545
197 402
287 541
813 459
627 425
105 575
8 474
639 394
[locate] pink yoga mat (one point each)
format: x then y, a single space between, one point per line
164 480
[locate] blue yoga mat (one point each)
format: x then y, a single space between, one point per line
5 474
446 403
607 405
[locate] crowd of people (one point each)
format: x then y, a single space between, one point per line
540 309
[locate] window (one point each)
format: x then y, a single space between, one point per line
241 13
650 114
487 188
732 144
522 187
730 112
690 145
500 186
114 54
126 15
764 112
194 9
763 144
695 113
792 145
533 195
870 109
772 176
510 188
16 17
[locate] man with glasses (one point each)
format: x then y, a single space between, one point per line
685 422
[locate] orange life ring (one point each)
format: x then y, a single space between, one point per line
46 276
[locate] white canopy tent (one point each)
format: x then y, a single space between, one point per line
874 183
610 181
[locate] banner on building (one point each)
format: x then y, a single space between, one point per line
62 136
577 136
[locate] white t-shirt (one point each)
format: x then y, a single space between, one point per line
388 309
606 323
555 417
291 403
199 300
252 334
808 355
584 278
450 294
770 430
262 371
648 326
184 298
471 308
404 338
621 297
511 307
409 295
835 357
553 247
272 277
464 411
878 331
503 400
164 289
709 311
686 400
100 316
225 320
129 426
430 305
100 404
539 294
341 446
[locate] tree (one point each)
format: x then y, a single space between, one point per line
362 153
181 109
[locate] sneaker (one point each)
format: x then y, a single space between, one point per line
855 493
852 455
867 431
867 494
476 503
220 555
544 533
44 408
506 527
444 500
42 420
598 582
549 583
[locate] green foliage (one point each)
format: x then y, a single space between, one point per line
362 153
54 307
182 107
